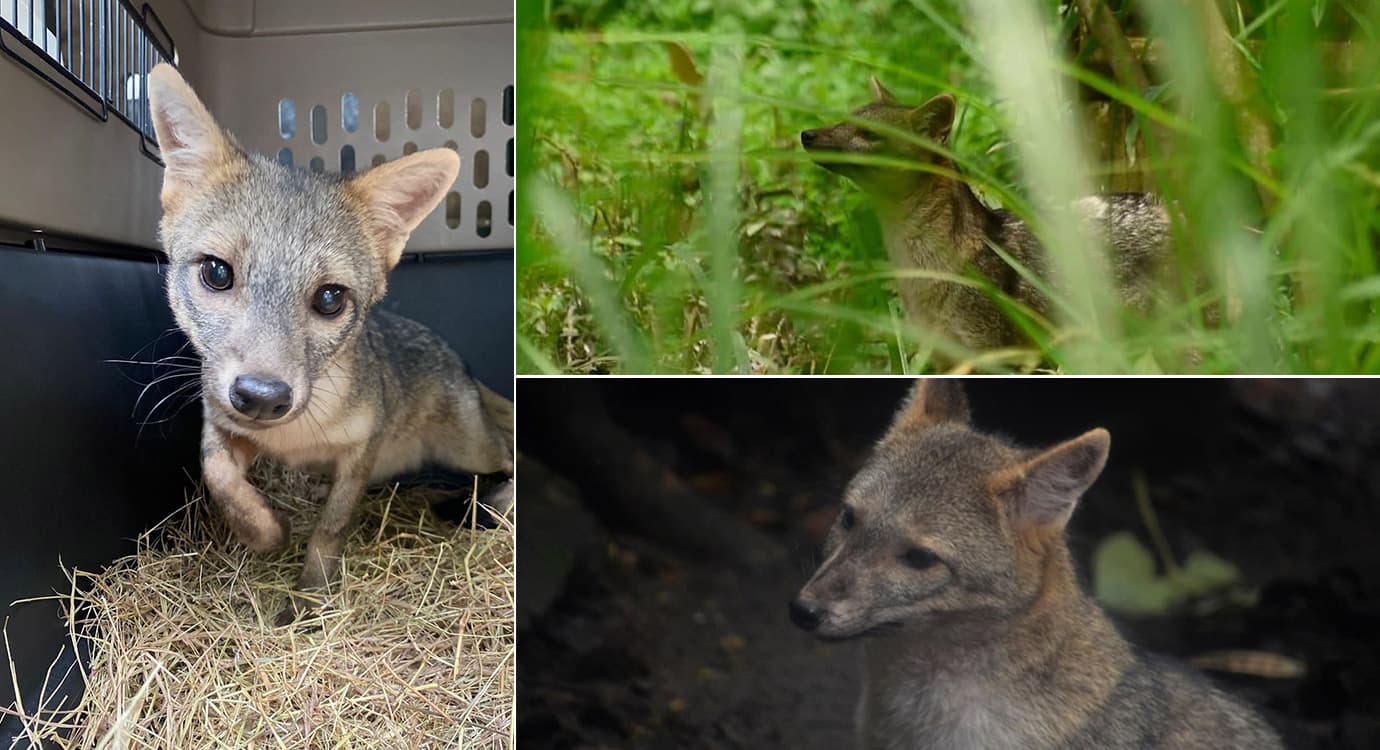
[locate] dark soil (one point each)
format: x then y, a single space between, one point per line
628 639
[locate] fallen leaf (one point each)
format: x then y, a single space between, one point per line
683 64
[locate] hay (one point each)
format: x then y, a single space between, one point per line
417 649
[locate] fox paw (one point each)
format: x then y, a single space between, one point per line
267 534
300 608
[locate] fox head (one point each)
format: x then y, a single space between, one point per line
945 525
273 270
932 120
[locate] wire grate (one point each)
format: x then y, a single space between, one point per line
97 52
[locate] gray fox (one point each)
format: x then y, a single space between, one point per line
933 222
273 274
949 553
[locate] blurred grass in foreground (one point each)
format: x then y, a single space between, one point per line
669 221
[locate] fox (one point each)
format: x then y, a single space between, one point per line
932 221
948 561
274 275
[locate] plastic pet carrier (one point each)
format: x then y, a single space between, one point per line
329 85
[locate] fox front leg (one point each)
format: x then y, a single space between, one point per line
225 460
322 567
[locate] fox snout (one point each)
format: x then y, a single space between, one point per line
827 140
835 619
829 605
806 614
823 139
260 398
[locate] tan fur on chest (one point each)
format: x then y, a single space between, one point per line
908 705
307 442
939 304
909 251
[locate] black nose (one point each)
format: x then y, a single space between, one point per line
805 615
807 137
260 398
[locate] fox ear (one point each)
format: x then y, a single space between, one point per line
397 195
933 401
880 93
935 118
191 143
1041 492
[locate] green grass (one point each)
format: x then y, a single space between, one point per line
669 221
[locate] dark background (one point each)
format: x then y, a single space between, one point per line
82 477
666 523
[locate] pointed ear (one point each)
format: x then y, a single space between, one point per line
935 118
192 145
932 401
397 195
880 94
1041 492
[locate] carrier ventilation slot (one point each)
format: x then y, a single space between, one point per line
464 124
97 52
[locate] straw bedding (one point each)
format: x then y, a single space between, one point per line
416 649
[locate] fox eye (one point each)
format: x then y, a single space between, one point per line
216 274
329 300
920 558
846 518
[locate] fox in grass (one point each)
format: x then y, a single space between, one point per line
932 221
274 275
949 554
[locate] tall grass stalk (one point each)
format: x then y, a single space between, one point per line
1017 55
719 239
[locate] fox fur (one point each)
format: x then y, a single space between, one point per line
353 391
932 221
949 554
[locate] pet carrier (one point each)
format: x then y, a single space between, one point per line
325 85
